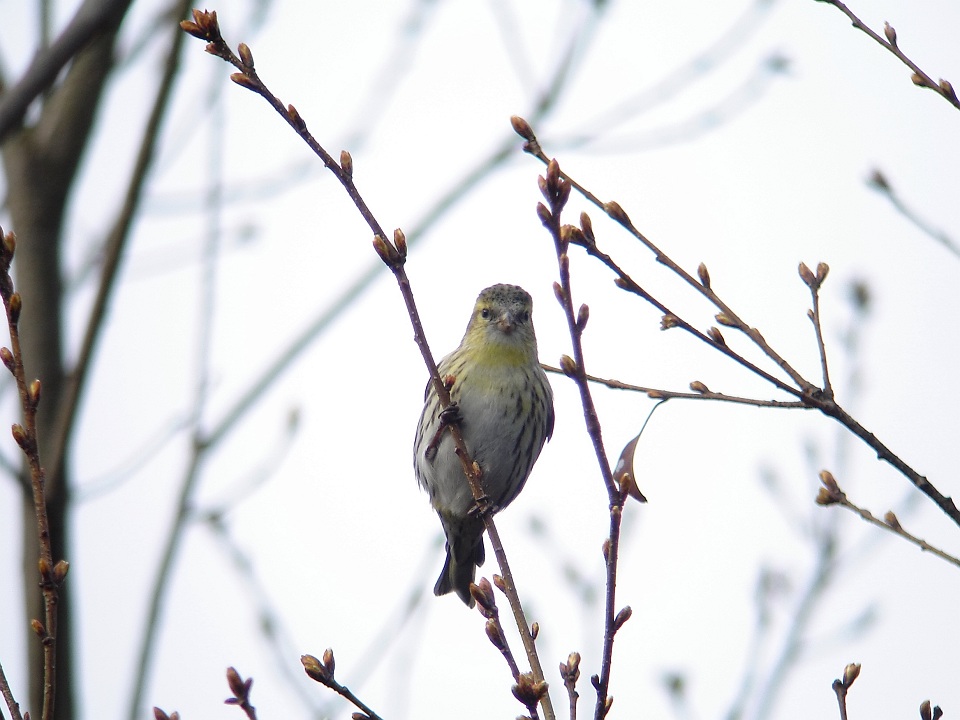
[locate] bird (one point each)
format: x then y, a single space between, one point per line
503 403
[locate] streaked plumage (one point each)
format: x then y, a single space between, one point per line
506 406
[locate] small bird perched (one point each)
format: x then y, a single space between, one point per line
504 406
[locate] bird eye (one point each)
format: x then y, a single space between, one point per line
524 316
485 313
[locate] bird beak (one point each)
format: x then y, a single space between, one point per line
506 323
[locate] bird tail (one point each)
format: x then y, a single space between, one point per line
464 555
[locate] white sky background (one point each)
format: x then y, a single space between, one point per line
339 535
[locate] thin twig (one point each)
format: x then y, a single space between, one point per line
557 191
206 27
842 685
241 693
878 181
51 575
807 391
831 494
919 77
12 705
322 671
705 394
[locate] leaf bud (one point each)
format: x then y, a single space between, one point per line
806 275
293 115
616 212
14 306
586 224
246 57
850 674
582 317
714 334
699 387
522 128
400 240
7 357
704 275
328 661
245 81
346 163
725 319
890 33
669 321
33 393
568 365
622 617
60 571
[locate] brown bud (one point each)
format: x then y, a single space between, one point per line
159 714
829 482
822 271
33 393
494 635
568 365
806 275
299 124
246 57
573 662
699 387
582 316
546 217
534 630
606 549
917 79
669 321
622 617
7 357
14 306
328 661
586 224
9 243
190 28
714 334
60 571
890 33
235 682
947 89
314 668
522 128
45 570
553 176
38 628
616 212
850 674
704 275
825 497
572 235
482 593
400 240
607 704
20 435
387 252
925 711
499 583
245 81
346 163
725 319
655 395
890 519
558 292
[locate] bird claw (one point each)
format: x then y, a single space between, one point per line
451 415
